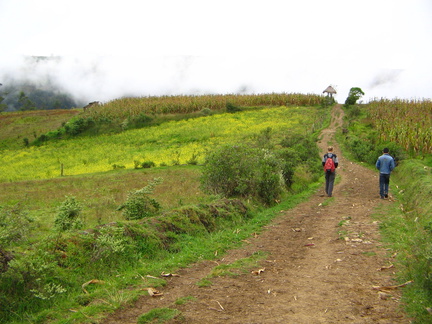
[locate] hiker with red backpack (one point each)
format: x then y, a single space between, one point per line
330 163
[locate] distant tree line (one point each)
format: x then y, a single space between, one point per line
25 96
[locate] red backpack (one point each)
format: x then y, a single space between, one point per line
329 165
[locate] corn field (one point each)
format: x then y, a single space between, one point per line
405 122
120 109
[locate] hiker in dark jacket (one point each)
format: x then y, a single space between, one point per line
385 164
330 175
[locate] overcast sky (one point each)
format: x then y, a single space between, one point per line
109 49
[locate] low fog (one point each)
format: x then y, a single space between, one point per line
107 78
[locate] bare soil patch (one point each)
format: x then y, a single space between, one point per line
324 259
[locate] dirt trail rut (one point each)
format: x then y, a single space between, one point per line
317 270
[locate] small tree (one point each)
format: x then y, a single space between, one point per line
25 103
354 95
69 216
2 105
139 205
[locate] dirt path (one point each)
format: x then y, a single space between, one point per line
317 270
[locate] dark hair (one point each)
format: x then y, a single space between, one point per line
386 150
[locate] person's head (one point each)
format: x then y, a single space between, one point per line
386 150
330 149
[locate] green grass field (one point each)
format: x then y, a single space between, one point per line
99 172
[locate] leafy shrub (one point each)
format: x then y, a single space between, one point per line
15 225
78 125
144 165
240 170
290 159
139 205
299 151
231 108
352 112
194 158
327 101
139 121
206 111
109 242
33 275
148 164
68 217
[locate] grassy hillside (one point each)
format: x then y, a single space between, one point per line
15 127
43 267
172 143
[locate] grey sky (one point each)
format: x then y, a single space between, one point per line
109 49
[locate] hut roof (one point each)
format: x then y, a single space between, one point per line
329 89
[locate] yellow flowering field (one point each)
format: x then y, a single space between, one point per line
175 142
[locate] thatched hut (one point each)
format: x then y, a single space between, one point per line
330 91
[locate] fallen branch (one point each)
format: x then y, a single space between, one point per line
220 305
258 272
93 281
163 274
392 287
153 277
385 267
153 292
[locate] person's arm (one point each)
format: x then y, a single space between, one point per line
392 164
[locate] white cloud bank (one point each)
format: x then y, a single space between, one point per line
109 49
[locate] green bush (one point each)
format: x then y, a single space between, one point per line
78 125
243 171
32 281
69 215
139 121
139 205
206 111
327 101
109 243
299 152
15 225
148 164
231 108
